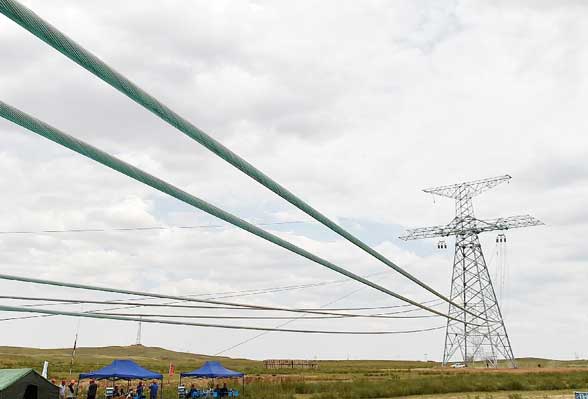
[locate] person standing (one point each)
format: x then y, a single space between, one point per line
62 388
70 392
92 389
224 391
140 390
153 388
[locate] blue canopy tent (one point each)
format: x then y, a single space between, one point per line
123 370
213 370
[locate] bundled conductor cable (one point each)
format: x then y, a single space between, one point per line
59 41
34 125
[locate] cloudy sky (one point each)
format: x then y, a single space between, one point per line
353 107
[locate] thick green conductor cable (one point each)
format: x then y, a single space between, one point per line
43 129
52 36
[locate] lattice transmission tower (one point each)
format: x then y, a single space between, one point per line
479 335
138 339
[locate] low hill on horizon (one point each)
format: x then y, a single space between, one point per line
92 358
158 359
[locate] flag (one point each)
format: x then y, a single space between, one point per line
172 369
45 369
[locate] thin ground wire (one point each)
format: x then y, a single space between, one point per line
505 296
154 295
190 316
139 228
172 304
132 304
49 132
20 309
233 294
68 47
278 326
285 324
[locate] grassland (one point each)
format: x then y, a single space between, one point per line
333 379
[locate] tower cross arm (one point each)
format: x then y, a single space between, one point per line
468 189
511 222
428 232
473 225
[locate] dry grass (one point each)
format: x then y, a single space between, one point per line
334 379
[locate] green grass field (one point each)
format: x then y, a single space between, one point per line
333 379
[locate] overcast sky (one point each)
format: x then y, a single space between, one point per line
353 106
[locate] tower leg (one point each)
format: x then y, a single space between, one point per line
471 287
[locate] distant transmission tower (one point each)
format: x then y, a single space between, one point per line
138 340
481 337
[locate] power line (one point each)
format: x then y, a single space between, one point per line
149 294
433 302
226 294
175 316
233 294
97 302
20 309
286 323
139 228
56 39
53 134
173 303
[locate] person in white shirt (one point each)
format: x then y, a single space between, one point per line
70 392
62 388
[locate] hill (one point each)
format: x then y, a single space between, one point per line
341 379
158 359
154 358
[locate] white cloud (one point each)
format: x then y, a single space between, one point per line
353 107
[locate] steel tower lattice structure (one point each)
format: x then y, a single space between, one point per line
138 340
483 336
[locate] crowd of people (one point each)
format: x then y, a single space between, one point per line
220 392
66 390
138 393
69 391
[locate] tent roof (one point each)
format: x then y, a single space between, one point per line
10 376
212 370
122 370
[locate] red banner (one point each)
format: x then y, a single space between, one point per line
172 369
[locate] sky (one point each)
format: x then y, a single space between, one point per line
353 106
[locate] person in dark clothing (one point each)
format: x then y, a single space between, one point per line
192 392
224 391
92 389
140 390
153 388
